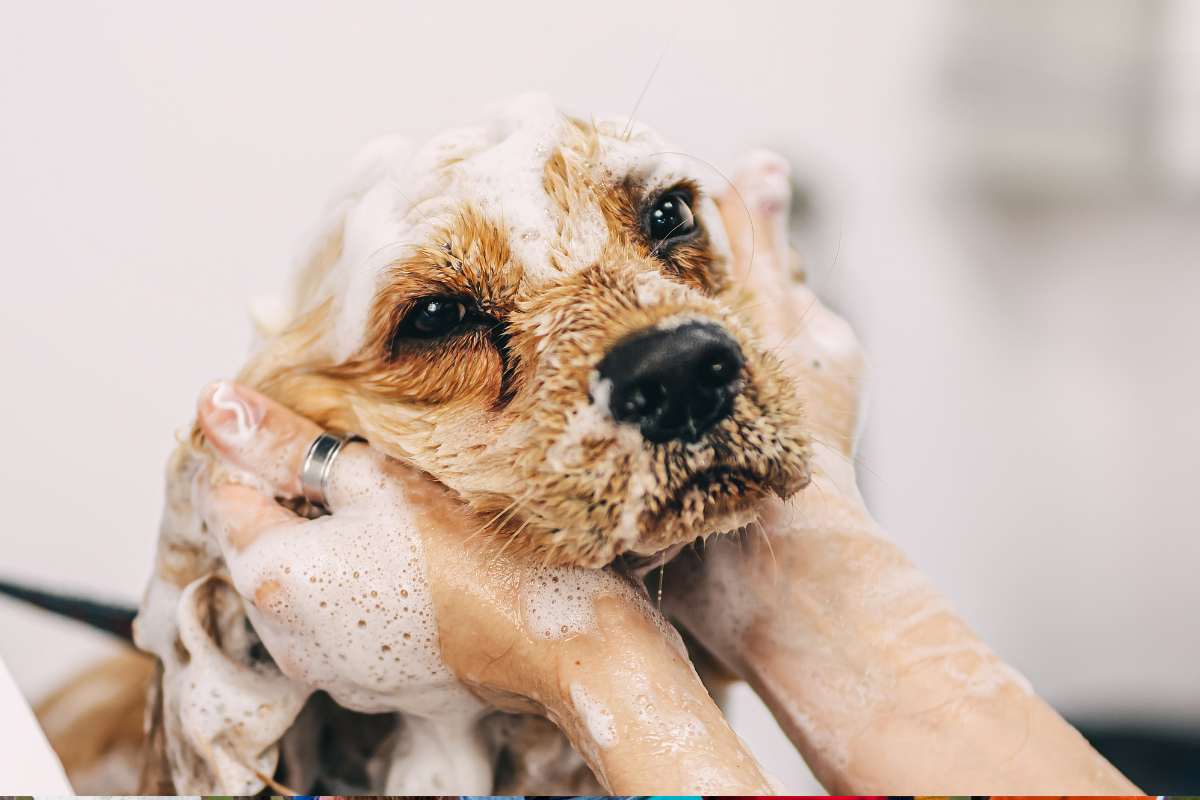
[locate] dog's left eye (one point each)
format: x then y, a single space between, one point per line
432 317
671 217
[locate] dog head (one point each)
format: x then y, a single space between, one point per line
538 312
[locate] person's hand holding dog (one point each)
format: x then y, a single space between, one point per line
617 681
875 679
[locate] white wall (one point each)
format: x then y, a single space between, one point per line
1033 428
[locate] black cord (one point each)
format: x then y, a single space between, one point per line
108 617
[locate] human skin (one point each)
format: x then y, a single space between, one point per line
621 687
876 681
874 678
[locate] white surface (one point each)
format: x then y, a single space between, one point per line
1033 419
27 764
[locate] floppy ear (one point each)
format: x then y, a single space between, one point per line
272 314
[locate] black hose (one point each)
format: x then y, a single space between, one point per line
108 617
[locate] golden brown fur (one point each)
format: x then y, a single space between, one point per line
506 414
426 402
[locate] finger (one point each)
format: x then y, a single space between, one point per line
735 215
755 210
262 437
818 346
256 434
360 476
239 514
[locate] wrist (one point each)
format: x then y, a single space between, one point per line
523 648
625 642
629 690
817 576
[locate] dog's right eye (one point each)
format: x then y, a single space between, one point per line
433 317
670 218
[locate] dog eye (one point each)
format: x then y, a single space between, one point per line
671 216
432 317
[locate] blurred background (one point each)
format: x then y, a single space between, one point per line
1002 195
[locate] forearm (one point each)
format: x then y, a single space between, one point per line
872 675
864 664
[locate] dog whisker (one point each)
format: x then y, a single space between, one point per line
510 509
485 526
628 130
855 460
495 524
770 548
511 538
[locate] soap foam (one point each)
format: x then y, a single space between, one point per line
344 605
559 602
596 718
231 712
397 196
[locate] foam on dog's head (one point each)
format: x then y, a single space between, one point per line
536 220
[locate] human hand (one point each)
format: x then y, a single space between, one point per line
819 348
393 603
881 686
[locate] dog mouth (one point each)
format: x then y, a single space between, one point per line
713 500
719 485
638 565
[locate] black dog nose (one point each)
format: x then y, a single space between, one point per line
674 384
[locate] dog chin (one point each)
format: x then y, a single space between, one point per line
714 502
641 559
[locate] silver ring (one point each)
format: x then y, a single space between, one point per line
318 462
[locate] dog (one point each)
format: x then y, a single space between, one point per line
538 312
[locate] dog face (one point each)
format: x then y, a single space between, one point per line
538 312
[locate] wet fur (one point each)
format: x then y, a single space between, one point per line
494 414
504 416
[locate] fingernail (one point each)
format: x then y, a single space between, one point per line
231 412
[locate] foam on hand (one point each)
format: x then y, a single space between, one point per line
559 602
344 605
341 605
596 719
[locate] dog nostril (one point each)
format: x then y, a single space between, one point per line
719 367
638 401
705 405
674 384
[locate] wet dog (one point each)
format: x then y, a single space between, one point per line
536 311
